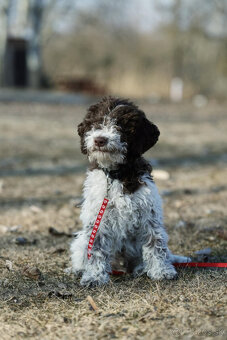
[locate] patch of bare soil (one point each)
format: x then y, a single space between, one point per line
41 177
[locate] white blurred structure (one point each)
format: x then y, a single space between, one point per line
176 89
20 61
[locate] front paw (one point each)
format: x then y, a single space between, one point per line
168 272
91 280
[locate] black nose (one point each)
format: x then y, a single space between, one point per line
100 141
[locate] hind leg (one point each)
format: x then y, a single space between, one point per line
156 255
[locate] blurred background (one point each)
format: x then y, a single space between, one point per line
56 58
144 49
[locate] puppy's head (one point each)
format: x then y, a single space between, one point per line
115 131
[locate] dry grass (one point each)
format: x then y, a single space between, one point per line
42 175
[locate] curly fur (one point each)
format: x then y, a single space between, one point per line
132 225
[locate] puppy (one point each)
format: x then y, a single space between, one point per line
114 135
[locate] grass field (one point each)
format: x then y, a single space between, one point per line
41 177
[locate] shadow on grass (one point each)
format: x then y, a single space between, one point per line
54 171
28 201
60 199
180 161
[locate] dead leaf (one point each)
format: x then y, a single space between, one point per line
59 251
62 295
32 272
55 232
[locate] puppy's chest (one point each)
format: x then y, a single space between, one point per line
121 207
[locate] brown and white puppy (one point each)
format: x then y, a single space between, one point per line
114 135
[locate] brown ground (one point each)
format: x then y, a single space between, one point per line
41 176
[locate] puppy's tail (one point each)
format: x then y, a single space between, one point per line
179 259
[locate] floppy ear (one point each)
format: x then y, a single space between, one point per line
80 129
81 132
146 135
149 133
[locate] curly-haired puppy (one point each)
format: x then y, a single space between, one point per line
114 135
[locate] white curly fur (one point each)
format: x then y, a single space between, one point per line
115 151
131 222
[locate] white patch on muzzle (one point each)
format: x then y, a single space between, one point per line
112 153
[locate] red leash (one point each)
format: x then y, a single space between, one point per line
96 226
202 264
